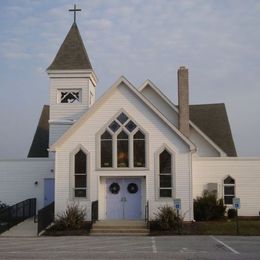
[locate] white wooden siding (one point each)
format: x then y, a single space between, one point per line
204 148
56 131
245 171
68 111
158 134
18 179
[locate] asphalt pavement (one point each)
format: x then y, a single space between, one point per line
159 247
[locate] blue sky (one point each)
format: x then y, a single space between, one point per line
217 40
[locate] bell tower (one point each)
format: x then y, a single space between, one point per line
72 83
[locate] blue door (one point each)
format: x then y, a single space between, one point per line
123 198
48 191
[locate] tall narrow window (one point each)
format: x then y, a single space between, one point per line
139 149
80 171
122 150
106 149
229 190
165 165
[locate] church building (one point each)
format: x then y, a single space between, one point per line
128 150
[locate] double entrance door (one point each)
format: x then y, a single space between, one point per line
123 198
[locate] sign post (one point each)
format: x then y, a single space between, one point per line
177 206
236 205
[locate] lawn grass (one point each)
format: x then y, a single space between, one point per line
246 228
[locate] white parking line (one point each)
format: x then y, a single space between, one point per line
225 245
154 245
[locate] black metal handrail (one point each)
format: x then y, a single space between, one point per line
94 211
147 213
17 213
45 217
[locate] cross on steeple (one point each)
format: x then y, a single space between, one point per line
74 10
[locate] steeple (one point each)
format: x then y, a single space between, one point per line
72 83
72 54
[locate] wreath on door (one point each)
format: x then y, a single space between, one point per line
114 188
132 188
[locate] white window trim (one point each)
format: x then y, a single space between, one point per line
114 146
157 173
72 174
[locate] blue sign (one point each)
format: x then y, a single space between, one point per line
236 203
177 204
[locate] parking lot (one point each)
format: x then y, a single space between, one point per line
163 247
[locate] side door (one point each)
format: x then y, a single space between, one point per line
48 191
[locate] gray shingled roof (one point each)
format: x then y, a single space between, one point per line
40 141
211 119
72 54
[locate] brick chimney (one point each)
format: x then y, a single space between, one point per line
183 100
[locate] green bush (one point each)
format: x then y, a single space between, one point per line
208 207
232 213
168 219
72 219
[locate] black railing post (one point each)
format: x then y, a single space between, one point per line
94 211
45 217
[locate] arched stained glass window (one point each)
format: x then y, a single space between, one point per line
122 144
80 174
165 175
139 149
122 150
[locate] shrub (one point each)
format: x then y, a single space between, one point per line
73 218
232 213
208 207
168 219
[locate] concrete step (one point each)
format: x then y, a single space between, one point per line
119 234
125 230
124 223
119 228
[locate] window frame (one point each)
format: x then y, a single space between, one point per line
229 185
173 173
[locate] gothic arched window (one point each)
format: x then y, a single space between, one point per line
122 150
139 149
80 174
106 149
122 144
165 174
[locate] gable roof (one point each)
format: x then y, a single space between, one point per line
213 124
72 54
98 103
212 119
40 143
